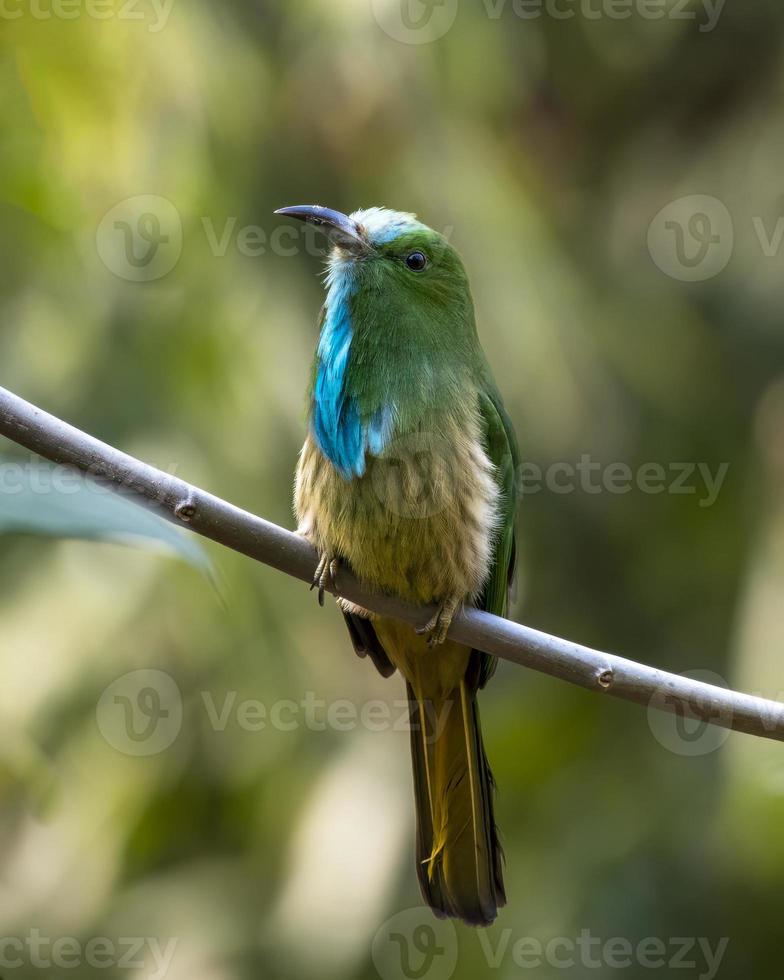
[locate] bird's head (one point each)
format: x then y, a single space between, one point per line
391 257
397 334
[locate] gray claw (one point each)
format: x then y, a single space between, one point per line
438 625
324 577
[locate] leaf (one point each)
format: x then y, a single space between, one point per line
57 501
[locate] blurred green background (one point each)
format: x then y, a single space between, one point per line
546 147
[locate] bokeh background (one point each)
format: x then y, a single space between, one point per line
182 331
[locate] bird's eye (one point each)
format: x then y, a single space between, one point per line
416 261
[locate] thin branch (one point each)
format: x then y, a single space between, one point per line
190 507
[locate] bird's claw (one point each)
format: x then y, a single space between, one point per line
324 577
438 625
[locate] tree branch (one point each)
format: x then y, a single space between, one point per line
190 507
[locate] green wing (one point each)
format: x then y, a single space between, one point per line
501 447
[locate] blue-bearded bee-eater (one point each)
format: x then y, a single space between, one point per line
408 476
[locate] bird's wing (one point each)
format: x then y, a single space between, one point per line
367 644
501 447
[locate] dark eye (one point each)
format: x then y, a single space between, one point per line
416 261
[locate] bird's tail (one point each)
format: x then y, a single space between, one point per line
458 854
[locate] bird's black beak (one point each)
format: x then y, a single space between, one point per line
339 228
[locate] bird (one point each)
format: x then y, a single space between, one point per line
407 477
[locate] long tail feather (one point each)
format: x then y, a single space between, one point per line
458 854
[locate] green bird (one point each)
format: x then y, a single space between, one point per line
407 475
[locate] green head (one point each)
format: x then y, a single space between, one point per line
397 262
398 334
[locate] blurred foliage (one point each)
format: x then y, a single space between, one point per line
547 147
53 501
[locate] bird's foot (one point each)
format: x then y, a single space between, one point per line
438 626
324 577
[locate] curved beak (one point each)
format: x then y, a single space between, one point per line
340 229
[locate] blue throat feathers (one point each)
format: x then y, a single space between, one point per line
340 432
